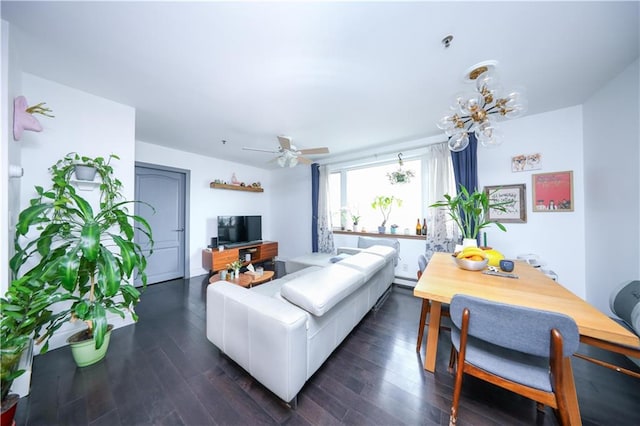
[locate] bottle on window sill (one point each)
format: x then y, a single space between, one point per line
424 226
418 228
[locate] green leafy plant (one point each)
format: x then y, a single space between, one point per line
400 176
88 256
236 264
384 203
24 312
469 210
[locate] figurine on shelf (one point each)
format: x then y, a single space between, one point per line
234 180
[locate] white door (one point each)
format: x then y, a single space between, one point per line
163 190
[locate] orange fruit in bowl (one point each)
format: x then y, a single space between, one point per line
476 258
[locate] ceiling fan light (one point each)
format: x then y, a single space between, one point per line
282 161
293 161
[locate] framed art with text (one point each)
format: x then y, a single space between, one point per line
553 192
515 206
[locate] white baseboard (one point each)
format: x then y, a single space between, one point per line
406 282
22 384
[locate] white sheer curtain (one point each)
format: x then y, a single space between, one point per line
325 234
442 232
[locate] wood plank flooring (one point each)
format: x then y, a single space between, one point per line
163 371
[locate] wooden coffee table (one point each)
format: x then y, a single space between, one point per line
246 280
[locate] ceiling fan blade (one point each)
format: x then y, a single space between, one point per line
260 149
311 151
285 142
304 160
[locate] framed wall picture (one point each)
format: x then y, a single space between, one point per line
516 207
553 192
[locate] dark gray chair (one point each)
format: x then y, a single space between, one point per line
516 348
624 301
426 306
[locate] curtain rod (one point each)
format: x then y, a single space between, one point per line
385 153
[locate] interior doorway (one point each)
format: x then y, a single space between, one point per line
166 190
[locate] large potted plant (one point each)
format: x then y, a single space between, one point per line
384 203
89 255
469 211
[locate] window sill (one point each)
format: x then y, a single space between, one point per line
387 235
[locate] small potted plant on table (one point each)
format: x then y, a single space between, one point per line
234 267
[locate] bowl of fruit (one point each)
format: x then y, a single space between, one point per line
471 259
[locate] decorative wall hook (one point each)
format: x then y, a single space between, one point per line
23 118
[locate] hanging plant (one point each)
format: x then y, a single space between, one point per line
400 175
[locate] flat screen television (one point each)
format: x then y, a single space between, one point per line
238 230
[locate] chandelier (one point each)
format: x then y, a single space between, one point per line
478 112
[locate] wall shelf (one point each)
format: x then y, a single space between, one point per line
85 185
235 187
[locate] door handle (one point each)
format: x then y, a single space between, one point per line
178 230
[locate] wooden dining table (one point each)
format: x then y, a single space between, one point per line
442 279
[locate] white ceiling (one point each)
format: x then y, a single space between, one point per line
346 75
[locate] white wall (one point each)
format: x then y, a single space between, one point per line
84 123
612 179
556 237
207 203
291 210
9 152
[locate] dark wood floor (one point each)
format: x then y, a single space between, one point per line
163 371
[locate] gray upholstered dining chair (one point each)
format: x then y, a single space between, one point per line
514 347
426 306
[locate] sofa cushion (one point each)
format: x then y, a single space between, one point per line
318 291
366 263
311 259
366 242
389 253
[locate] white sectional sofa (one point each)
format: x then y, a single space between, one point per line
282 331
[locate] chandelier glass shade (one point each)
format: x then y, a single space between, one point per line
479 111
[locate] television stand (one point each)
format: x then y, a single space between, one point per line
214 260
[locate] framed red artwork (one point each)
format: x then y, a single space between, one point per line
553 192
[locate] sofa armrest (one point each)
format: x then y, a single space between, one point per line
265 336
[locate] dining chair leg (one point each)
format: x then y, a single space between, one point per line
457 390
452 359
423 319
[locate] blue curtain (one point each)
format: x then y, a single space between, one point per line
315 191
465 166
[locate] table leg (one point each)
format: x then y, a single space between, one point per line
570 393
432 337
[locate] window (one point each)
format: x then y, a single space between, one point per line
362 185
335 196
352 190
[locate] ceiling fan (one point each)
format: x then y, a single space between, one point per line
290 155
